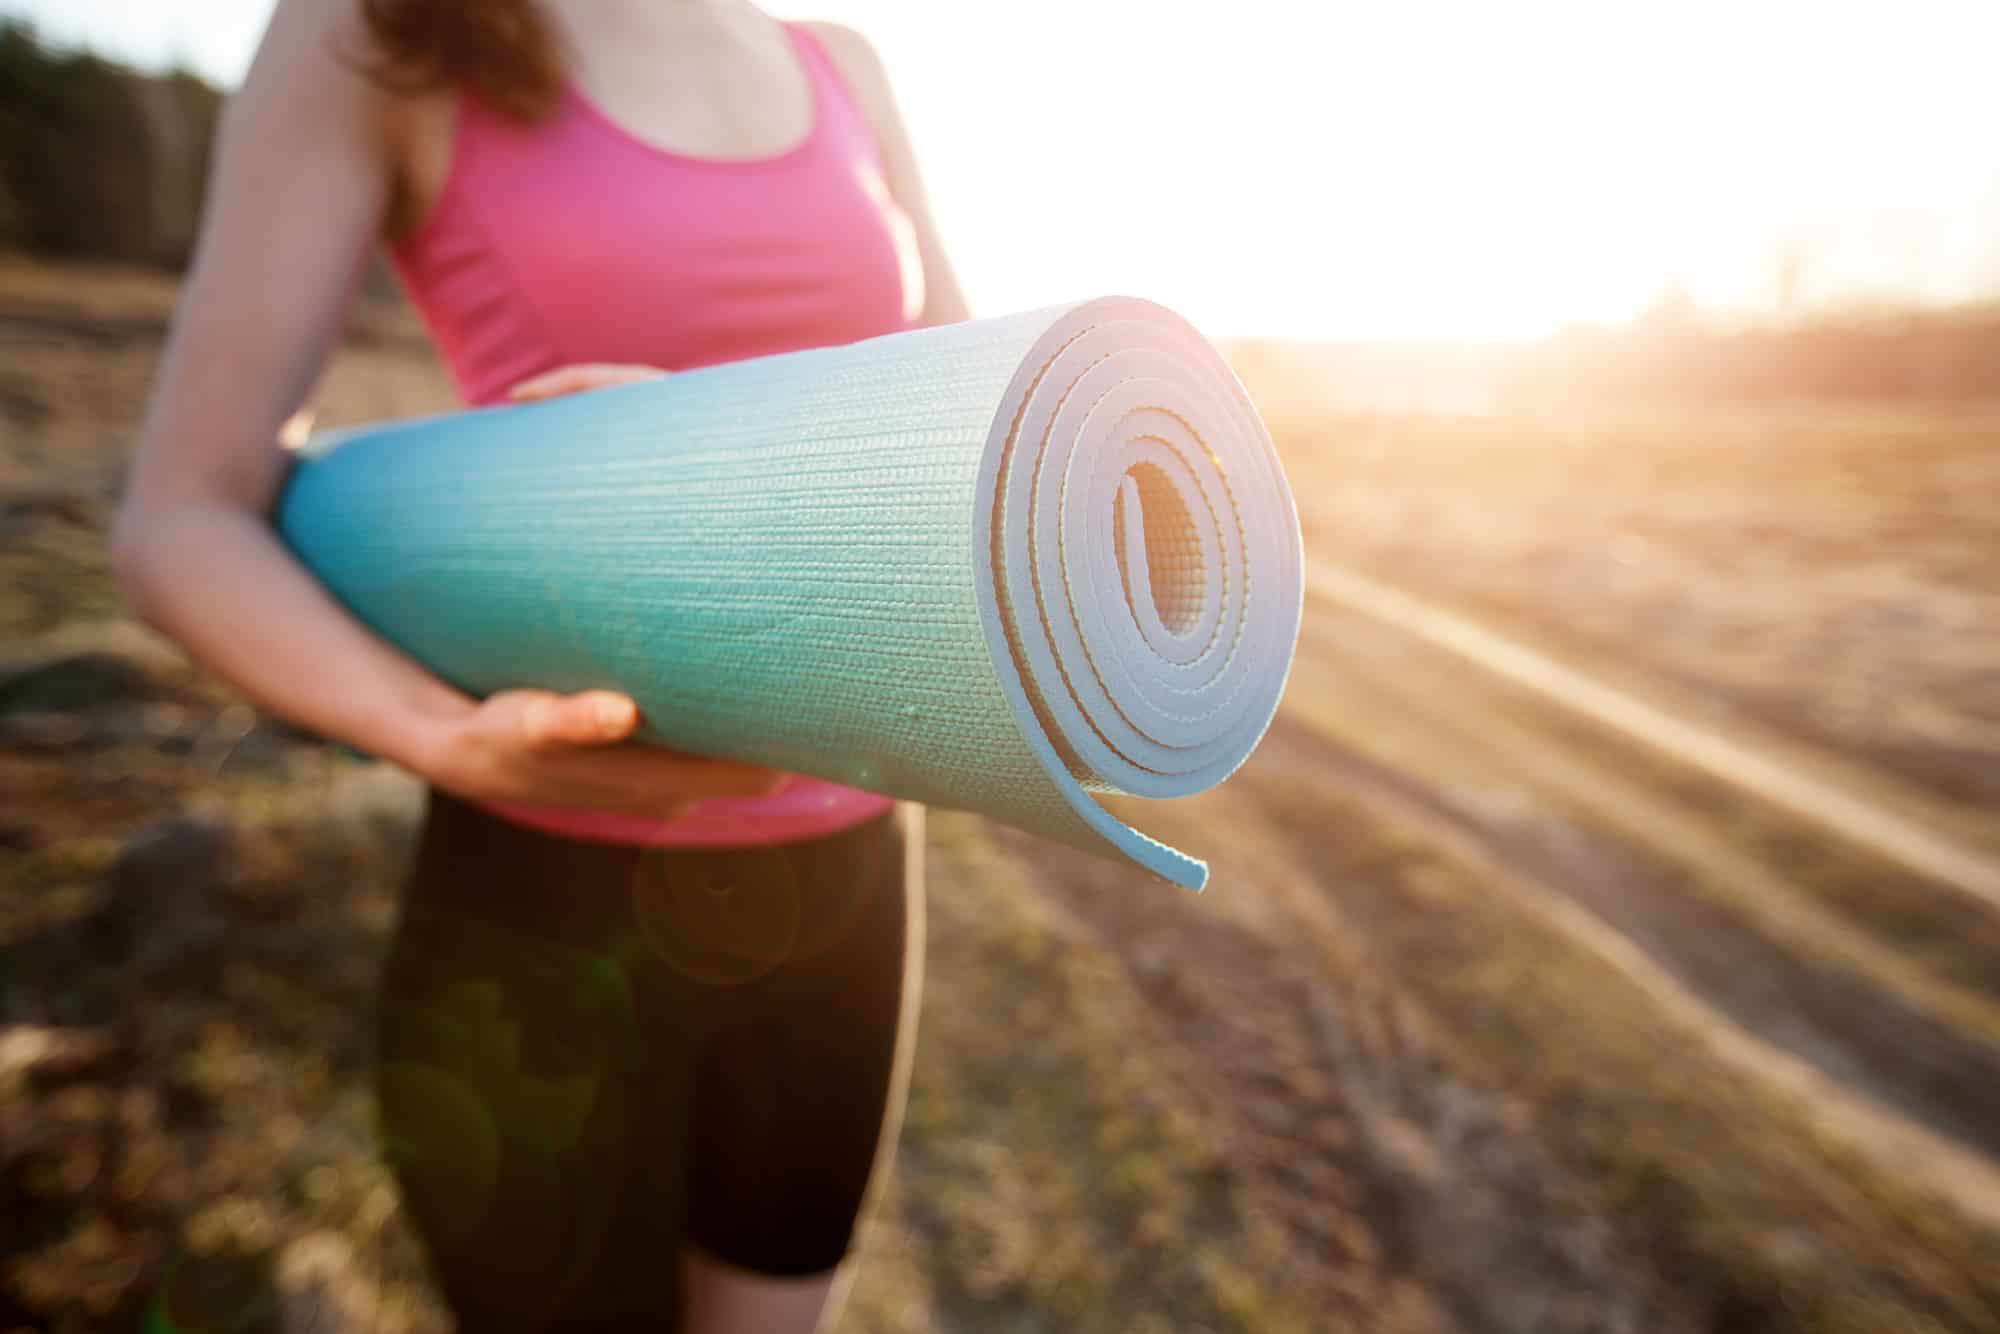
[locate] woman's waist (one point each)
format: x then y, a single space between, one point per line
802 808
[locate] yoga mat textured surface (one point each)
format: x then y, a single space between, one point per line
1006 565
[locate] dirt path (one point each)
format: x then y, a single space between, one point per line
1833 809
1426 1202
1569 829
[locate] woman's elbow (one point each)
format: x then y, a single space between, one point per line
146 536
132 540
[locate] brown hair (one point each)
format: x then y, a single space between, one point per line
501 50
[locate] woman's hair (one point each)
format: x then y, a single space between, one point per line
502 50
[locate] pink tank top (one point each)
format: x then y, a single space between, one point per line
572 240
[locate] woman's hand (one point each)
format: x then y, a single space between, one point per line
538 748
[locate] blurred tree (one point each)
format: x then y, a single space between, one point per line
97 160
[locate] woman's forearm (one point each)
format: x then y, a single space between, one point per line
214 577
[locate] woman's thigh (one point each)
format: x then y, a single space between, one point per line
592 1054
799 1086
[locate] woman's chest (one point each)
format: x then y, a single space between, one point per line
648 258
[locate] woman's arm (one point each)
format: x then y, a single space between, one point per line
300 185
303 180
944 303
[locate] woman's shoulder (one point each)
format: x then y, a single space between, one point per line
855 58
320 42
321 81
839 35
316 65
319 51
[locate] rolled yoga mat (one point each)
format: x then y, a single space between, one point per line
1005 565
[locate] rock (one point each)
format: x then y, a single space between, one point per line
164 893
152 655
43 731
22 508
73 684
180 856
91 684
31 1051
322 1287
85 699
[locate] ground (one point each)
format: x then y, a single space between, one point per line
1493 1017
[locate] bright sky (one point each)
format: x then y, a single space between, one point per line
1417 169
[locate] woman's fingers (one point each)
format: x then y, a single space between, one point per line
591 718
577 378
569 742
544 718
298 429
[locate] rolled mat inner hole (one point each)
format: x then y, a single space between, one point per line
1160 535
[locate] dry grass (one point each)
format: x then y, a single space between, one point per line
1753 1210
1831 574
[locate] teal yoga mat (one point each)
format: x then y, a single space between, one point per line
1008 565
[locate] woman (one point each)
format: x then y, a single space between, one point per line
647 1021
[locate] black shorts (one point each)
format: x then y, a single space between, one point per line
591 1054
